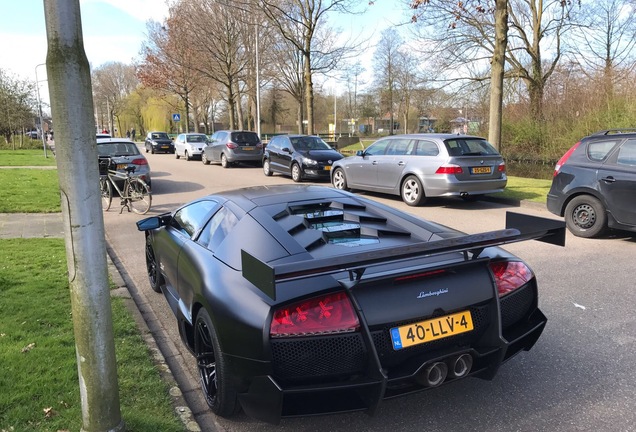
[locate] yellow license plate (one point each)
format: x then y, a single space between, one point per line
121 166
430 330
328 168
480 170
248 148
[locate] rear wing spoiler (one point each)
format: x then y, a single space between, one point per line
519 227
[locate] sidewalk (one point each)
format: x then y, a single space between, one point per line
31 225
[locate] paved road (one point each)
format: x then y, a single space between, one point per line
579 376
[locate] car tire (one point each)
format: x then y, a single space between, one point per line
266 168
176 154
152 268
218 389
585 216
187 156
152 150
224 162
205 159
339 180
412 191
296 173
146 149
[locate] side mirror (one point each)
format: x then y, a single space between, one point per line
360 153
286 150
151 223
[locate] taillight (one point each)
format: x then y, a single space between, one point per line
139 162
564 158
502 167
510 275
231 145
449 169
328 314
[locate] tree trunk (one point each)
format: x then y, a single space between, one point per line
497 73
309 92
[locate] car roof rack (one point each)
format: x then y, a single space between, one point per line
614 131
519 227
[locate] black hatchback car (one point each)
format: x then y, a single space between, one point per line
299 156
158 142
594 184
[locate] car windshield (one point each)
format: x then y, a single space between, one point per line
196 138
309 143
469 147
160 135
117 149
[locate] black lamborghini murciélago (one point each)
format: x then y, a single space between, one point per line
299 300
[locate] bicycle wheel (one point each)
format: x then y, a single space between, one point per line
107 193
138 196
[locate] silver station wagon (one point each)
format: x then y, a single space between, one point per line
418 166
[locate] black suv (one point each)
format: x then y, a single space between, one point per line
594 184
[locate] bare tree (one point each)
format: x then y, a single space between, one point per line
114 81
386 67
605 46
299 22
17 104
168 61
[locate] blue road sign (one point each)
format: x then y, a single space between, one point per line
176 117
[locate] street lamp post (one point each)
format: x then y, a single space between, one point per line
37 88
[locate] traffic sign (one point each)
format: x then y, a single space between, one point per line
176 117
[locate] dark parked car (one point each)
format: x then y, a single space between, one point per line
594 184
231 147
124 152
158 142
298 300
299 156
424 165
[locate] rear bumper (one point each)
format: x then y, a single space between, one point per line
449 186
377 372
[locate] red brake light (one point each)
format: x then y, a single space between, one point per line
502 167
141 161
510 275
231 145
449 169
332 313
564 158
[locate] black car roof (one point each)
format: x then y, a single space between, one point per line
322 220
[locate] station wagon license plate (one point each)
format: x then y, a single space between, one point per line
480 170
430 330
248 148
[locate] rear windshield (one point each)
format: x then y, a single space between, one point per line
245 138
469 147
117 149
160 135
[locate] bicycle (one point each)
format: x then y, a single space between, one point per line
135 194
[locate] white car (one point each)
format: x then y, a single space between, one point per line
190 145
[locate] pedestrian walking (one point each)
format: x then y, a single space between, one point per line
128 134
133 132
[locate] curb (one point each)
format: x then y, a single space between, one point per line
132 302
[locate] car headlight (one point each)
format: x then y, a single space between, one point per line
308 161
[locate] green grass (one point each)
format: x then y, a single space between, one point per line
18 158
528 189
26 190
39 370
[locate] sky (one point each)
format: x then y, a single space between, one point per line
114 30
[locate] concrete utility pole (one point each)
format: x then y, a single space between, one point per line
69 78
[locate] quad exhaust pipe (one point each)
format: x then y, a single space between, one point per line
436 373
